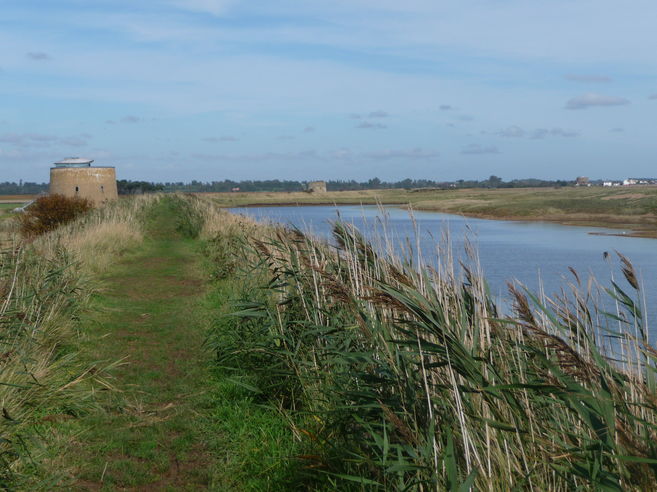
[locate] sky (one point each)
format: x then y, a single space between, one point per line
176 90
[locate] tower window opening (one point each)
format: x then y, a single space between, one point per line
77 189
102 188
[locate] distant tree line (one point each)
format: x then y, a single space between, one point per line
491 182
128 187
22 188
352 185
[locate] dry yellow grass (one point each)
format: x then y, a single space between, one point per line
217 221
100 244
99 238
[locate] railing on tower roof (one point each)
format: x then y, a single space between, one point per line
74 162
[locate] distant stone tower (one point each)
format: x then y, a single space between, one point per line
76 177
317 187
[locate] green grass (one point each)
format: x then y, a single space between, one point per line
6 210
175 422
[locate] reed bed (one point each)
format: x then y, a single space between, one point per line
399 376
44 288
42 379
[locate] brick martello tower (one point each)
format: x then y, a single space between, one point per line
76 176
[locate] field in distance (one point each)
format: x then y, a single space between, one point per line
10 202
15 199
633 208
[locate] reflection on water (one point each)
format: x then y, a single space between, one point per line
532 252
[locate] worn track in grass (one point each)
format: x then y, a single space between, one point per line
175 420
152 437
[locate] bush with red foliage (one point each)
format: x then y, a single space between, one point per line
51 211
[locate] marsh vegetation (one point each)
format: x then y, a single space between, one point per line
403 377
163 342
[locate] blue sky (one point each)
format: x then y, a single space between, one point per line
174 90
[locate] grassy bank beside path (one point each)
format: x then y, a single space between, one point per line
173 423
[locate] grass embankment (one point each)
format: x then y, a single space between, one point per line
632 208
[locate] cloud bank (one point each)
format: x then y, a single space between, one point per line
225 138
38 140
38 56
598 79
536 134
592 100
476 149
214 7
368 125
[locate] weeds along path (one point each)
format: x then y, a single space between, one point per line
154 435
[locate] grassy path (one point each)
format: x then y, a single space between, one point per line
174 422
152 438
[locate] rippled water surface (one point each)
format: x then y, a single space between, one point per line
532 252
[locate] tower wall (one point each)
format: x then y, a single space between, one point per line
317 187
97 184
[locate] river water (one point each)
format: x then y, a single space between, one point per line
535 253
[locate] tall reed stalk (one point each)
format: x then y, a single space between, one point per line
398 376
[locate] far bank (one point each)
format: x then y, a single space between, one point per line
632 209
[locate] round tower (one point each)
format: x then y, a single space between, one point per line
76 177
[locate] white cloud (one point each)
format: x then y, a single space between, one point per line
214 7
73 141
372 114
511 132
38 140
480 149
587 78
225 138
38 56
368 125
257 157
342 154
537 134
408 154
540 133
590 100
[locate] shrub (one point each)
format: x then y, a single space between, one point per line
51 211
